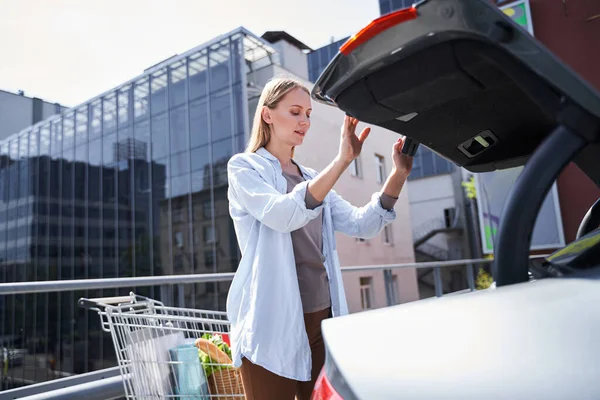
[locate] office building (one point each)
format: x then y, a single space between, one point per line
130 183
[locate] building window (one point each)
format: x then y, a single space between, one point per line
387 234
178 239
207 209
380 166
209 234
366 292
355 168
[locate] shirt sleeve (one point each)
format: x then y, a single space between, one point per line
388 202
365 222
280 212
311 202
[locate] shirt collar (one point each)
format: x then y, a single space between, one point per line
263 152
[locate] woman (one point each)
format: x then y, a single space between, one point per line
285 216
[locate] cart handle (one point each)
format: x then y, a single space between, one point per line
90 304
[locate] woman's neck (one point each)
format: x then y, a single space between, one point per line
282 152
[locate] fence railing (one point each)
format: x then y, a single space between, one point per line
105 384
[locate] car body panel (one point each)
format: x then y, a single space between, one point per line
528 341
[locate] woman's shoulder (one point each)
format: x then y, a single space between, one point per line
247 159
243 163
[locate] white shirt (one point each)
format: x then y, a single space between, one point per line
263 304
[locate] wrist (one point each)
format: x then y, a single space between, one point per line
341 163
398 174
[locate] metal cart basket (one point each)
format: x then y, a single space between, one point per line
169 352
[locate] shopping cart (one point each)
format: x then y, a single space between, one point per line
169 352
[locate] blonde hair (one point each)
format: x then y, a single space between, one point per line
273 92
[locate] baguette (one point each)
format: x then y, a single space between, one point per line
216 355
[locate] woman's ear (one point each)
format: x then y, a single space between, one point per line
266 115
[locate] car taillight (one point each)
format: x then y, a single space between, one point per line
376 27
323 389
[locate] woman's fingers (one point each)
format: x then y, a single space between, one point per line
364 134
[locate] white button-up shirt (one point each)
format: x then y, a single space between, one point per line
263 304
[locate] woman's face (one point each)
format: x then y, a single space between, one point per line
290 119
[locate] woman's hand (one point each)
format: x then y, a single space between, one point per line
402 166
350 144
402 163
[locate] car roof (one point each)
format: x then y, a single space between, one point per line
527 341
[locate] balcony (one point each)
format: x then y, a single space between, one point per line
27 368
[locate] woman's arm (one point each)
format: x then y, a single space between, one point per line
369 220
250 192
400 171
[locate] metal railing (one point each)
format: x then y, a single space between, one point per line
107 384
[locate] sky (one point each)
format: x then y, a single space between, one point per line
68 51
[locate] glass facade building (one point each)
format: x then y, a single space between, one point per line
130 183
318 59
387 6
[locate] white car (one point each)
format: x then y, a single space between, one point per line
459 77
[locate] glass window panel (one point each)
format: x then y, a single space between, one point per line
427 163
180 163
95 117
441 164
237 59
178 130
95 152
222 152
221 121
108 150
200 169
24 146
141 133
81 153
200 158
81 182
160 137
198 123
219 68
110 114
397 5
140 98
177 90
159 176
5 177
238 110
95 171
68 132
198 71
180 185
56 139
81 126
67 177
158 88
124 105
34 143
45 139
